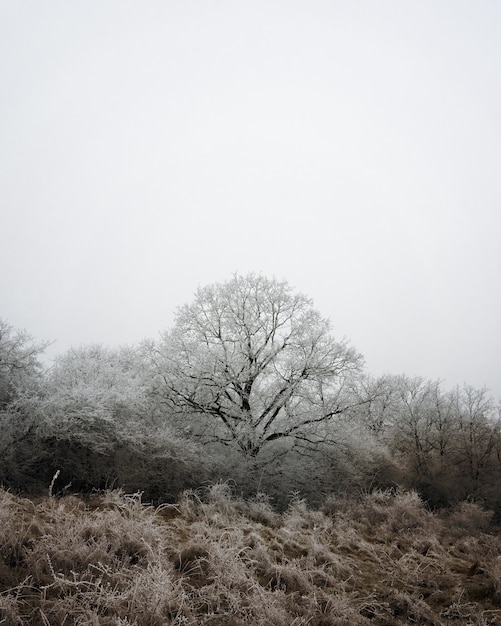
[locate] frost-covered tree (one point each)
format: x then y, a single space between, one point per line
20 366
446 441
96 394
93 418
258 364
478 435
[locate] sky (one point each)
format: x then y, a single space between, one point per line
351 147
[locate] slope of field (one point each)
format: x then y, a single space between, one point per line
211 559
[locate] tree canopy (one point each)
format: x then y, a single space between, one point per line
258 362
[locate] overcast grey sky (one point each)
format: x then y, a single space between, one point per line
351 147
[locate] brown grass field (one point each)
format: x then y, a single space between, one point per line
212 559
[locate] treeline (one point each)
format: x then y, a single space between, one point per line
248 386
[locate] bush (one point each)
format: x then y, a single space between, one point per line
160 467
468 518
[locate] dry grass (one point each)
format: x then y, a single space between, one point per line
381 559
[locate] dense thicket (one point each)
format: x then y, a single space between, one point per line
248 386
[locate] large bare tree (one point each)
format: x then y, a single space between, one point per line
258 363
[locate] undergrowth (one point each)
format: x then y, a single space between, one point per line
212 559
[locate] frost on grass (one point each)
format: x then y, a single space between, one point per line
381 558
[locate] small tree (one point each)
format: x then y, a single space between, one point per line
257 363
96 395
478 432
19 362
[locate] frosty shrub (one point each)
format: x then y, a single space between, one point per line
468 518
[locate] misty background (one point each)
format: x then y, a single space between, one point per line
351 148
